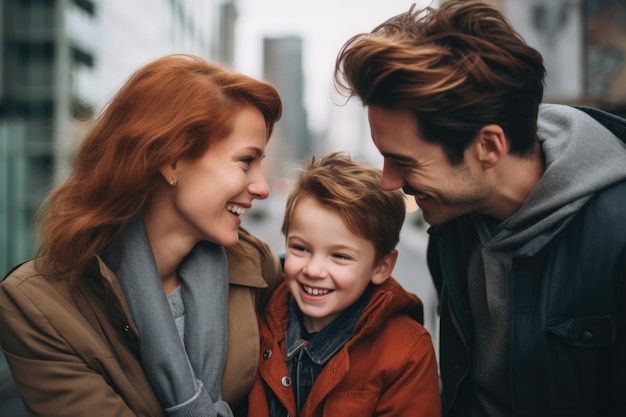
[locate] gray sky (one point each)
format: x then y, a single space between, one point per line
324 26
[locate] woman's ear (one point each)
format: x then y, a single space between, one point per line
168 172
385 267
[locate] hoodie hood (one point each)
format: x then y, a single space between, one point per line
581 158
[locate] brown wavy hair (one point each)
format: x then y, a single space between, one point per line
457 68
173 108
352 189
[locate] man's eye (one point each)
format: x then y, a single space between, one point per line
403 165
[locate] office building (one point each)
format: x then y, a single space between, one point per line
60 62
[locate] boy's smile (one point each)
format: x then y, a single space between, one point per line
327 267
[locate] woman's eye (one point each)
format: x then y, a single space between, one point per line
248 161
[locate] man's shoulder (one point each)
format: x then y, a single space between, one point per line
615 192
600 225
614 123
607 206
596 234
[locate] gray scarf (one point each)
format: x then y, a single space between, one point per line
164 358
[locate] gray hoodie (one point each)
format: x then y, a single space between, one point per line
581 158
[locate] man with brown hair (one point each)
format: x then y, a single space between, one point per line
527 245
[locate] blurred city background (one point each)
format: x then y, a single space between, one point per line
62 60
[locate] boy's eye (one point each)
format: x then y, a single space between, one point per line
298 248
342 256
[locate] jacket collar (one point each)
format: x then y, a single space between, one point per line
243 269
103 282
324 344
387 299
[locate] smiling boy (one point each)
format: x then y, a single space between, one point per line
341 336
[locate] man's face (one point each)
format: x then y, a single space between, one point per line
422 169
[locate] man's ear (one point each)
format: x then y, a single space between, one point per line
491 146
168 171
385 267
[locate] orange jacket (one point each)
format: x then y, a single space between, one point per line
387 368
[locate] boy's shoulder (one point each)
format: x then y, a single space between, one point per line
396 334
397 300
393 312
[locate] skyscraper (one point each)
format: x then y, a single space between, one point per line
282 66
60 62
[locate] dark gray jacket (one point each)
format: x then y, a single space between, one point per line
566 309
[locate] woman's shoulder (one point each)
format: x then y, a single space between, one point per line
20 273
253 264
27 284
26 291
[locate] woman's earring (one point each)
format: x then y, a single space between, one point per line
173 182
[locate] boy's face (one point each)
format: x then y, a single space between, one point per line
327 267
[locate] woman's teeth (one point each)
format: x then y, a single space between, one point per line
314 291
235 209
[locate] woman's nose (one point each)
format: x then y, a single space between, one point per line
258 187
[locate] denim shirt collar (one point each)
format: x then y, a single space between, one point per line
324 344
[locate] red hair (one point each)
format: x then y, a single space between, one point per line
172 108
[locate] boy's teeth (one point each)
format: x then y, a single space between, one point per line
236 209
314 291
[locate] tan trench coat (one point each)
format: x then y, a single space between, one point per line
73 350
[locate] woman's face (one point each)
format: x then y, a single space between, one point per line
212 192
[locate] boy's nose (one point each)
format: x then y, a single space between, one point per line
315 269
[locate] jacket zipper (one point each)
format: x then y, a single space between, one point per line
457 327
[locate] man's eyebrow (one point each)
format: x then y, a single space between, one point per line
403 159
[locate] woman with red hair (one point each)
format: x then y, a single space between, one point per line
142 299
